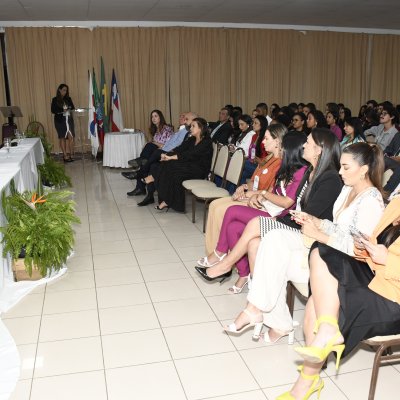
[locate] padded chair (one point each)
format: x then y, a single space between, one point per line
219 172
386 176
191 183
209 193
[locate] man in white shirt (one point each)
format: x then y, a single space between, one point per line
383 134
221 130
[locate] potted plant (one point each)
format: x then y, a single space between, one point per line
41 227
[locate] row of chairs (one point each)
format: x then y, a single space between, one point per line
227 169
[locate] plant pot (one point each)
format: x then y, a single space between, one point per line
20 273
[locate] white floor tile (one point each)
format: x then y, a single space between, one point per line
73 281
27 354
127 319
173 290
83 263
228 306
154 243
355 385
164 272
80 386
253 395
329 392
149 257
133 348
221 374
68 356
190 253
107 261
197 340
184 312
71 325
22 390
118 276
123 295
109 235
151 381
111 247
69 300
283 370
140 233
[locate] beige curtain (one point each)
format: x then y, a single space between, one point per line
200 69
385 70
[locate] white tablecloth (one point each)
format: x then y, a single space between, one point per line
120 147
20 166
22 162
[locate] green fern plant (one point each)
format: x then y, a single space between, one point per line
53 173
40 225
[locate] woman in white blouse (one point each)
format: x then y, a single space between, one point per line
282 254
246 129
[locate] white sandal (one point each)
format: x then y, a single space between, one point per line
203 262
236 289
231 328
290 335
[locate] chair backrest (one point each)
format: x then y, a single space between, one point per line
216 149
386 176
235 167
221 162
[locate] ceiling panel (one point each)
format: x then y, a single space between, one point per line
370 14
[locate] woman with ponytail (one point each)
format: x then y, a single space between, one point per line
355 286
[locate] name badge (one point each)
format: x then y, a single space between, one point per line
265 171
256 182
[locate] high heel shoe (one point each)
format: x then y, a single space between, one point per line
314 354
203 262
165 208
231 328
290 335
236 289
316 386
203 273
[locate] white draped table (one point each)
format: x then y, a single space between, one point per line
22 162
120 147
20 165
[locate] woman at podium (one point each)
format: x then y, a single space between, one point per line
61 107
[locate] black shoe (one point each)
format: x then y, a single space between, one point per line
146 201
129 175
203 272
135 162
136 192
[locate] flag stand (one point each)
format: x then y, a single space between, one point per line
81 113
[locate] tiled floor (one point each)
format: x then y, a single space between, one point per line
132 320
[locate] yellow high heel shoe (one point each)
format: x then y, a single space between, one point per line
316 386
315 354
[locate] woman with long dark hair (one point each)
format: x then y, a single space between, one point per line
353 132
159 132
190 160
280 200
61 107
246 133
355 283
256 153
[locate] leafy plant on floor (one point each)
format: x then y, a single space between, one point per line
41 225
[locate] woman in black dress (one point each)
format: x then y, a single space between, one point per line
191 160
352 298
61 107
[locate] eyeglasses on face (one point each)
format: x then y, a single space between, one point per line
383 113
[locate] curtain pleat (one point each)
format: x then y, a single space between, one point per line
179 69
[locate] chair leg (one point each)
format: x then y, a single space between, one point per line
290 291
193 209
375 370
205 216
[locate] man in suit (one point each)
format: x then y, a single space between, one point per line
222 129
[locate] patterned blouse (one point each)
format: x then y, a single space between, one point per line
163 135
347 141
